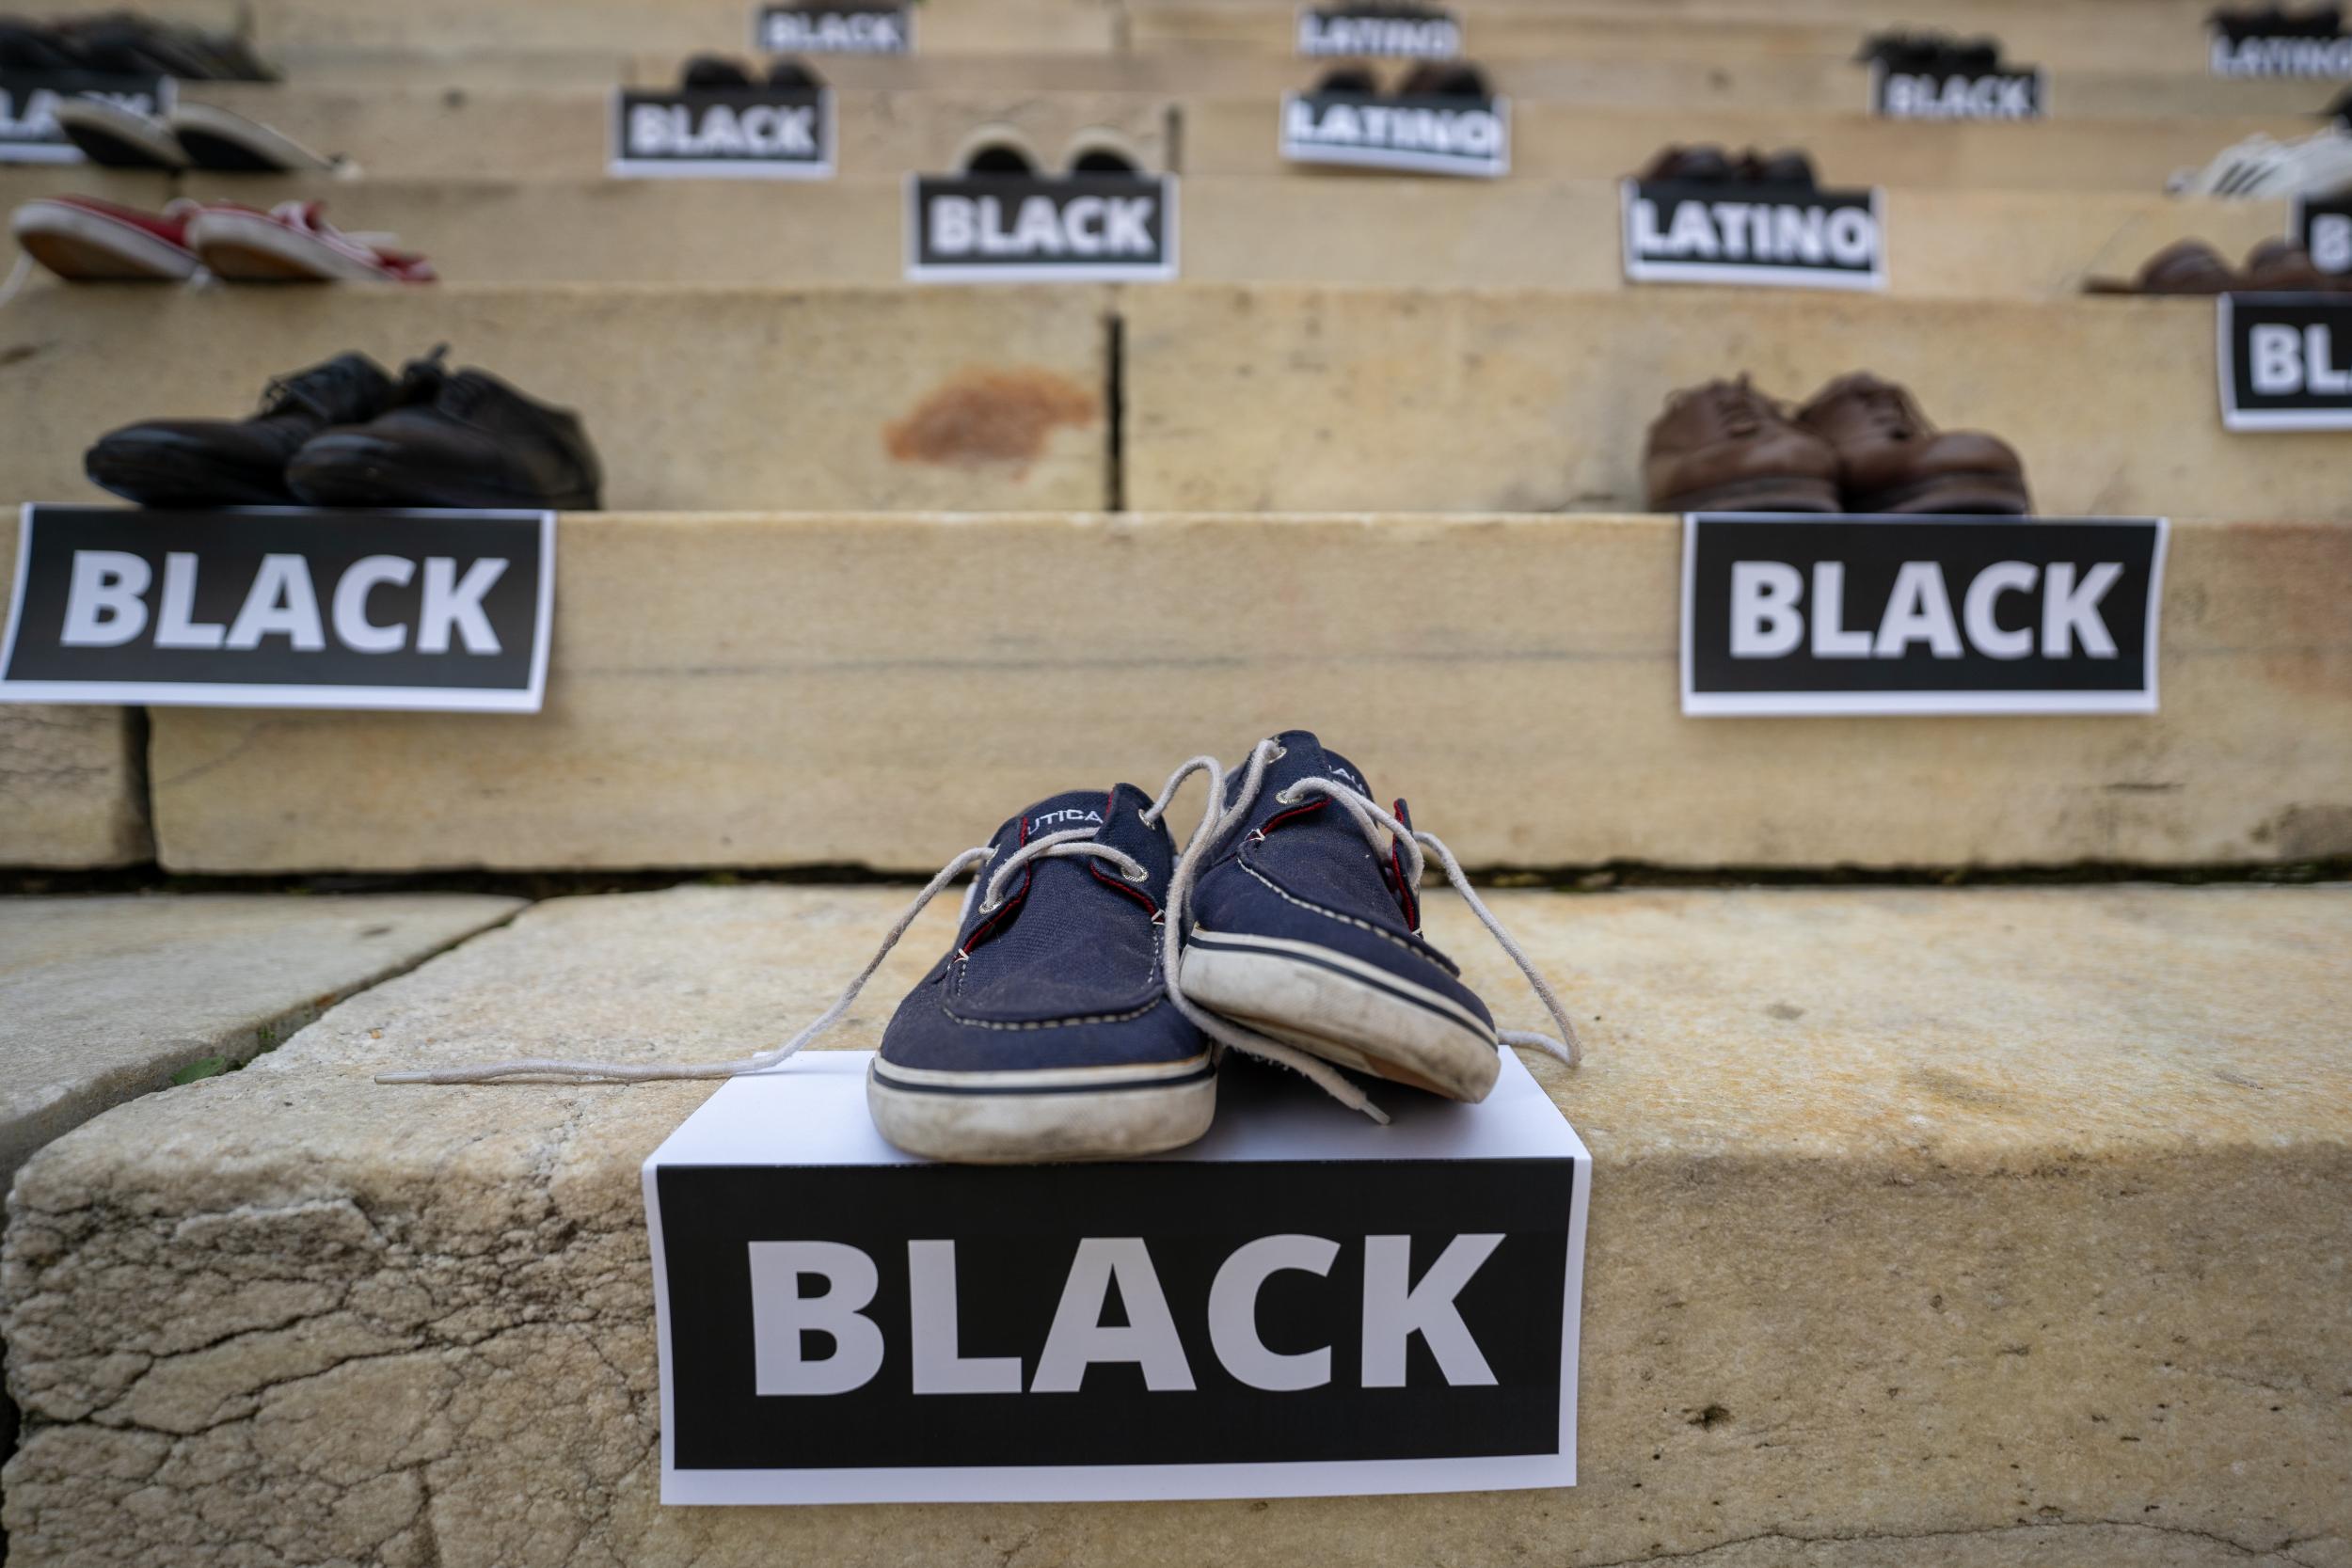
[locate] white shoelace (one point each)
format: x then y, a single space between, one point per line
1379 829
1071 841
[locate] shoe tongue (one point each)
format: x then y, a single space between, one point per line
1116 818
1303 757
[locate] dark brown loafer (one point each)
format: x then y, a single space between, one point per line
1725 447
2281 266
2186 267
1891 459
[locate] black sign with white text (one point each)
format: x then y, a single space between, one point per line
729 133
1786 615
2285 360
1701 231
2019 94
2237 53
28 128
1419 135
969 228
272 607
1391 32
2323 226
1297 1307
835 29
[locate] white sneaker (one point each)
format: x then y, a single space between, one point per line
214 138
116 138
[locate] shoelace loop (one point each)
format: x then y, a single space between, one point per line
1070 843
1216 822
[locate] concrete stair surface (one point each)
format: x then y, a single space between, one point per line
1302 227
810 691
1240 135
109 998
695 398
1977 1228
1281 399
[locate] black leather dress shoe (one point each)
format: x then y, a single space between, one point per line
185 463
452 439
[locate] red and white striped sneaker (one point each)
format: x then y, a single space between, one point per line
292 243
88 241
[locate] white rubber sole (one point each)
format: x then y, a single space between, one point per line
92 247
148 139
259 140
1344 1010
251 247
1000 1118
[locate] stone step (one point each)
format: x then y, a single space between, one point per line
1301 227
2154 39
764 691
1238 135
1931 1227
112 997
1458 400
701 398
1589 119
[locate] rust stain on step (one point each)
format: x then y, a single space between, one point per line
989 417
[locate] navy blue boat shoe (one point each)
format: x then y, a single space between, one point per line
1299 911
1046 1032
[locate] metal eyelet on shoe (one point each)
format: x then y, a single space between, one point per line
1138 875
1286 796
988 906
1279 753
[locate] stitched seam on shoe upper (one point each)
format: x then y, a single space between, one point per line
955 983
1285 893
1051 1022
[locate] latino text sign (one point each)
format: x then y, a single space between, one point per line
1386 31
281 607
1302 1304
1788 614
1417 136
1792 236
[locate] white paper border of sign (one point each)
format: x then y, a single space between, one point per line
1163 272
2236 419
1640 269
905 23
620 168
1410 163
1897 705
362 699
1049 1483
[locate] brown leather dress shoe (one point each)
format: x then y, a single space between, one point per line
2281 266
1725 447
1891 459
2186 267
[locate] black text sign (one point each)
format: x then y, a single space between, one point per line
1294 1306
836 29
2005 94
1419 135
729 133
29 101
2285 361
2323 226
1029 227
1796 615
1691 232
281 607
